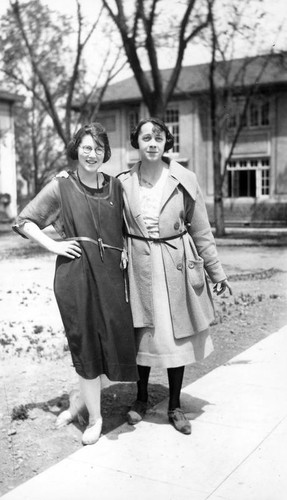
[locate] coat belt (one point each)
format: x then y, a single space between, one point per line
157 240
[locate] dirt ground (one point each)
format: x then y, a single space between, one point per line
36 376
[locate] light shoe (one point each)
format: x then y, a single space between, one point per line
93 432
178 419
77 411
63 419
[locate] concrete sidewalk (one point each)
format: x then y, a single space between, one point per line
237 449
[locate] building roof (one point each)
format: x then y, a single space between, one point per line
194 79
9 96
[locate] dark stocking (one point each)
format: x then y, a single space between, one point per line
143 383
175 378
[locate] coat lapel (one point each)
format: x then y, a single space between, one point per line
131 187
169 188
178 175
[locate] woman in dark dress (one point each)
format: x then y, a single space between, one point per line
86 210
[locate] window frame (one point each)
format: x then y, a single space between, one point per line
256 116
173 124
133 115
259 165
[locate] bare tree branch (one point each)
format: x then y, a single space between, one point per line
248 96
150 46
182 46
232 82
74 76
130 48
88 103
50 83
52 110
155 94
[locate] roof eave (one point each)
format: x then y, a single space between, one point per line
10 97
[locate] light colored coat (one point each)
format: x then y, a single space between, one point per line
182 206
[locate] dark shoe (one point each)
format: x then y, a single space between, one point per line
137 412
178 419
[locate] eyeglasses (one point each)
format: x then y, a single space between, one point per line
88 149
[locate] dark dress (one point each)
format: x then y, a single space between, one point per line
90 290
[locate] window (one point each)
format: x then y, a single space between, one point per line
256 114
108 122
133 119
265 177
265 113
248 177
253 115
232 120
172 122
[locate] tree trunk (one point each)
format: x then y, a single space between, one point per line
217 184
156 106
35 157
215 134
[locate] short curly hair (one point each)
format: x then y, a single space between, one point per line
158 123
97 132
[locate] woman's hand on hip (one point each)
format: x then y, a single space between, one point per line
221 287
70 249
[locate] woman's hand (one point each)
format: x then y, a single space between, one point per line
221 287
63 173
70 249
124 260
67 248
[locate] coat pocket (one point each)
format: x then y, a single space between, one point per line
195 272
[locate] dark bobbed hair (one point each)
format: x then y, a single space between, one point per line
97 132
157 122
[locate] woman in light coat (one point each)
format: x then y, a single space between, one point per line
171 252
